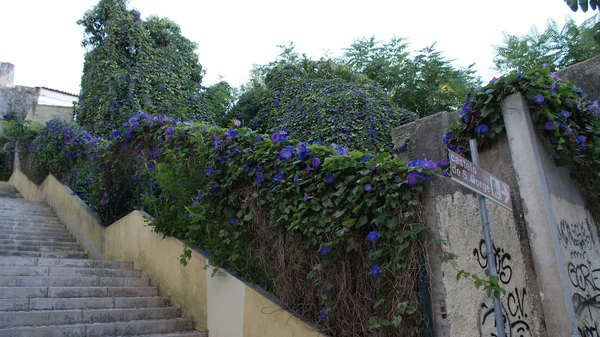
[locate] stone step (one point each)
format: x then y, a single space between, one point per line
75 245
38 233
57 281
69 292
26 304
178 334
55 247
56 255
68 272
78 263
32 227
33 219
37 237
58 317
163 326
19 210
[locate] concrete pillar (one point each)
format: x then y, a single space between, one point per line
528 159
7 75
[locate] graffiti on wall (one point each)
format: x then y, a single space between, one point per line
514 312
583 267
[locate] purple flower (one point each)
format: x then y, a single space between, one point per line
519 74
447 137
364 159
580 139
569 131
414 178
230 134
539 98
208 171
296 180
115 133
372 236
278 177
286 153
482 128
555 76
545 65
549 125
306 197
279 136
375 270
368 187
190 214
257 138
494 80
237 123
441 162
324 250
323 315
564 114
316 162
428 165
233 221
416 162
329 178
169 130
259 178
246 168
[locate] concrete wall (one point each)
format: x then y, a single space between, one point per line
221 304
7 75
563 235
585 75
44 113
19 99
459 309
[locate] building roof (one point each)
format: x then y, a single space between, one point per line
60 91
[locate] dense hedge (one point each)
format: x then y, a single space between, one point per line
323 101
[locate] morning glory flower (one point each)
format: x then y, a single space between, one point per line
368 187
316 162
494 80
545 65
413 163
278 177
482 128
257 138
208 171
279 136
324 250
375 270
372 236
414 178
428 165
329 178
564 114
286 153
259 178
237 123
230 134
115 133
549 125
306 197
539 98
447 137
519 74
296 180
190 214
323 315
364 159
246 168
233 221
580 139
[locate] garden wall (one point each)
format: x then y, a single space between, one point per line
585 75
458 308
221 304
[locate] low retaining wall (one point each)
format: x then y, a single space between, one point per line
223 305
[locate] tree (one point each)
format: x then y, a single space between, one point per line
217 100
426 83
132 65
555 47
319 100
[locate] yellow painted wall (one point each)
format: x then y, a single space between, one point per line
26 187
131 239
83 224
263 318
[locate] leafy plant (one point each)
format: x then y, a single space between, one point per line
562 114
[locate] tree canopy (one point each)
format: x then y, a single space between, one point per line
134 65
424 82
556 47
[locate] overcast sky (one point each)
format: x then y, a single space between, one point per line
43 41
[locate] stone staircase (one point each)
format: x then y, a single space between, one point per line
48 287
